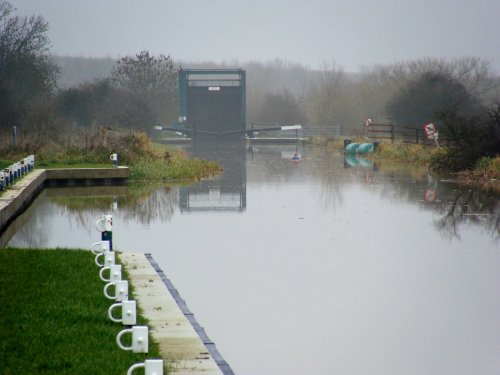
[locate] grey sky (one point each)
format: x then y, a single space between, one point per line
352 33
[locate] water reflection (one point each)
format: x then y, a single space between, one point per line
226 192
143 203
329 264
467 207
455 206
148 203
352 160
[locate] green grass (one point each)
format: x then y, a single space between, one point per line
151 169
5 163
53 316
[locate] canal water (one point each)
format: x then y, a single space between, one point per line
321 265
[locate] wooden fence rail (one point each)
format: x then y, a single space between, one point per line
404 133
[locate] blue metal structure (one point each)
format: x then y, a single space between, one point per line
212 102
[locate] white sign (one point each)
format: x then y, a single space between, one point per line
214 88
368 122
291 127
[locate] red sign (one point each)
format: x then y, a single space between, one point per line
430 131
430 195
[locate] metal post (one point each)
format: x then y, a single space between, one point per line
14 135
392 133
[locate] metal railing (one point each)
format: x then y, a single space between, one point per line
306 131
15 171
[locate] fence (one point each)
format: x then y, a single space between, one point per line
322 131
404 133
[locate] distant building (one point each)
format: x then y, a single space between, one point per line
212 103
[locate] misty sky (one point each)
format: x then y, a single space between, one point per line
351 33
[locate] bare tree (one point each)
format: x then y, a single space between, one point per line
329 101
283 108
152 78
27 71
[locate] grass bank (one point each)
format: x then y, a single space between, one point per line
91 148
53 316
392 152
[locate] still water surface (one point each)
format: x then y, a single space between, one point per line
324 266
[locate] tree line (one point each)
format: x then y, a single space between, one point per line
43 93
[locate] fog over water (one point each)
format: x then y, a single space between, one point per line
351 33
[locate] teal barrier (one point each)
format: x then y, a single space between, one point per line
359 148
365 148
351 148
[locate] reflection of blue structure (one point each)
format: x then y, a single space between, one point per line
351 160
225 192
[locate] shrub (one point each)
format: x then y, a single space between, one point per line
471 138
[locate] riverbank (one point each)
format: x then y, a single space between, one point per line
485 181
486 174
92 148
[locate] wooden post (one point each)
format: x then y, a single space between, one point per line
392 133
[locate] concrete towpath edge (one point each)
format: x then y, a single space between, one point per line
180 337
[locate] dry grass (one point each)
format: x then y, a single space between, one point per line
146 160
407 153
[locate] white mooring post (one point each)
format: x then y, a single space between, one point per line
129 313
140 343
105 226
121 290
150 366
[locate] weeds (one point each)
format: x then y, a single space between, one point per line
486 174
408 153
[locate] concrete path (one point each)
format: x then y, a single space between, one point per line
175 334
